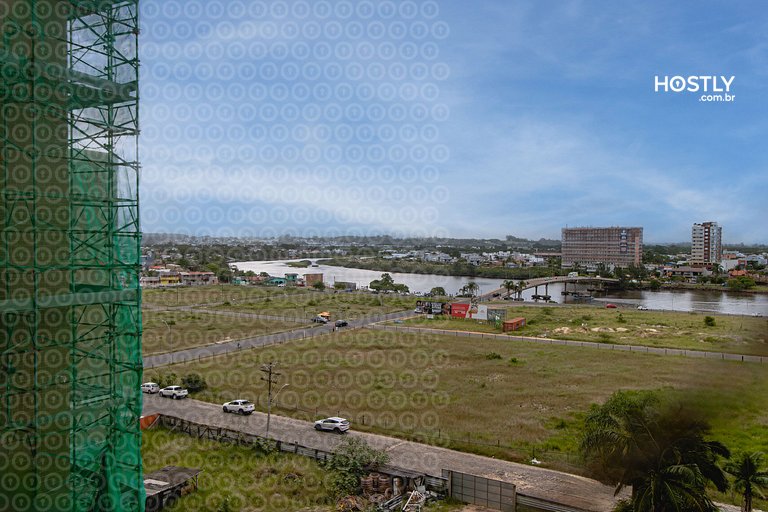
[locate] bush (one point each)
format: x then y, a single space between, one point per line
621 319
709 321
492 356
194 382
165 379
349 462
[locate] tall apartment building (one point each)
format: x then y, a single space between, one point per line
706 244
618 246
70 321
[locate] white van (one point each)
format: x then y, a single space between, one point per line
573 274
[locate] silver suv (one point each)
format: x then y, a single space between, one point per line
333 424
239 406
174 392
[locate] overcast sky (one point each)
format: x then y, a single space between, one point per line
452 118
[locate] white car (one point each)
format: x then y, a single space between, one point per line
239 406
150 387
174 392
642 308
334 424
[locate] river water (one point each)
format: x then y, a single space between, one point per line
677 300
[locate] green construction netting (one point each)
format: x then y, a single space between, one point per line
70 325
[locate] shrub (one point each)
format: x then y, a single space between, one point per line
166 379
352 457
492 356
709 321
621 319
194 382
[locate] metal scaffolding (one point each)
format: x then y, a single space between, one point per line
70 326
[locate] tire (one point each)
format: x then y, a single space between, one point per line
337 430
242 413
318 427
224 409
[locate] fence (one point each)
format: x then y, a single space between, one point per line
477 490
724 356
480 488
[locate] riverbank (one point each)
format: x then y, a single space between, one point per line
458 269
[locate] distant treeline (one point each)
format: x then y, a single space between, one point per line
449 269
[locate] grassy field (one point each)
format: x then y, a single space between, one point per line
175 330
251 481
340 305
246 479
193 295
502 398
735 334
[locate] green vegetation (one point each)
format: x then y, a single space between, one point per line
741 283
192 295
660 450
438 291
750 477
450 269
352 459
299 264
387 284
194 382
728 333
238 478
165 331
345 305
444 389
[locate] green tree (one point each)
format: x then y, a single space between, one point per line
319 285
509 285
349 462
471 288
438 291
659 450
749 477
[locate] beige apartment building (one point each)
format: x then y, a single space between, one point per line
618 246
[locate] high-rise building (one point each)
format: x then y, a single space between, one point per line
70 348
618 246
706 244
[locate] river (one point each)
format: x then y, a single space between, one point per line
675 300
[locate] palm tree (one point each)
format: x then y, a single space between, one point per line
520 287
749 477
510 285
660 452
471 288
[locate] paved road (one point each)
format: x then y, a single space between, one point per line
571 343
309 331
530 480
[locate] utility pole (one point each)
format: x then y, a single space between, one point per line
271 378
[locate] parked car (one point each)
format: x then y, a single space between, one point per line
341 323
642 308
244 407
334 424
150 387
175 392
611 306
320 320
